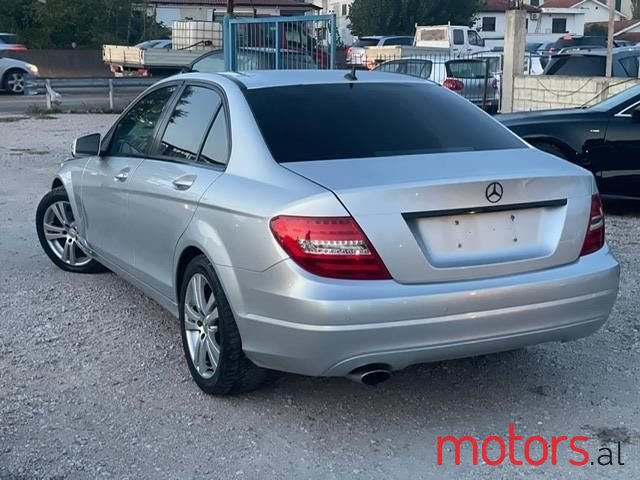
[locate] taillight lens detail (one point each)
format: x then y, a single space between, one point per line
333 247
453 84
594 240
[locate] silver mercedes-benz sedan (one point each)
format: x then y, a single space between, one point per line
322 224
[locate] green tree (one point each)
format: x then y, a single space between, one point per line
399 17
86 23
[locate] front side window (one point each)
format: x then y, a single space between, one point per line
188 123
474 39
134 134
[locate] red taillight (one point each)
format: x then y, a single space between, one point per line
453 84
594 239
333 247
349 52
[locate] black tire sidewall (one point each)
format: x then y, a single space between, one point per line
226 322
58 195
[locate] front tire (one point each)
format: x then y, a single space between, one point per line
59 238
210 336
14 82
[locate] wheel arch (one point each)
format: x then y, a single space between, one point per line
187 254
57 183
570 153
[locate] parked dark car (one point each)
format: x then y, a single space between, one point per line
592 63
604 139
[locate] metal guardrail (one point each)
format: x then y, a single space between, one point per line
54 88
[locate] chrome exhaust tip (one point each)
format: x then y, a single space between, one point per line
370 374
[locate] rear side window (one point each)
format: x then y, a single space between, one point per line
134 134
188 123
360 120
216 146
630 66
458 37
577 65
398 41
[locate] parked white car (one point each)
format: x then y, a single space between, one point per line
13 73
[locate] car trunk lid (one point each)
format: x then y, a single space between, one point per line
457 216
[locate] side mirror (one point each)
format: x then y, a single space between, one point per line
636 114
87 145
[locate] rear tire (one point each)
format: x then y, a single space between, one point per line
210 336
59 238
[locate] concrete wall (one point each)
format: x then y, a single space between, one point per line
540 92
65 63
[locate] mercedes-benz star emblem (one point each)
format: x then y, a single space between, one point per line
494 192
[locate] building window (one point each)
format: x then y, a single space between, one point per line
559 25
535 3
488 24
618 5
345 10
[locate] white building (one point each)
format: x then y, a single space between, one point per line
341 8
547 20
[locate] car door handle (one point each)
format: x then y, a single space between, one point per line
184 183
122 175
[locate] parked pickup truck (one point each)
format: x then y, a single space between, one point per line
146 62
450 40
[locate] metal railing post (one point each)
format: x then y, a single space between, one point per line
227 43
48 96
278 43
111 94
334 41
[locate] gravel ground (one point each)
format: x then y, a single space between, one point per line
93 383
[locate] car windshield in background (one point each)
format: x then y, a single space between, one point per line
8 38
618 100
366 42
324 122
577 65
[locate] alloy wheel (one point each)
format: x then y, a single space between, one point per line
201 323
62 235
15 82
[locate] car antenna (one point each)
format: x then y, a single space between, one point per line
351 76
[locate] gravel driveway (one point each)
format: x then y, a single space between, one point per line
93 383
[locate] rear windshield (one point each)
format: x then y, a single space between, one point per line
468 69
577 65
363 120
366 42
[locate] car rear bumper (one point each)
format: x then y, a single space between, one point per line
292 321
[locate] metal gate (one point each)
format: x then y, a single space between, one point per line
280 43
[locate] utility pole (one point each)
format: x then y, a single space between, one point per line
611 28
230 7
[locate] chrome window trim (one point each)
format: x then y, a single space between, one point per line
623 113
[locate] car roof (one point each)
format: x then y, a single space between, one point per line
600 52
284 78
